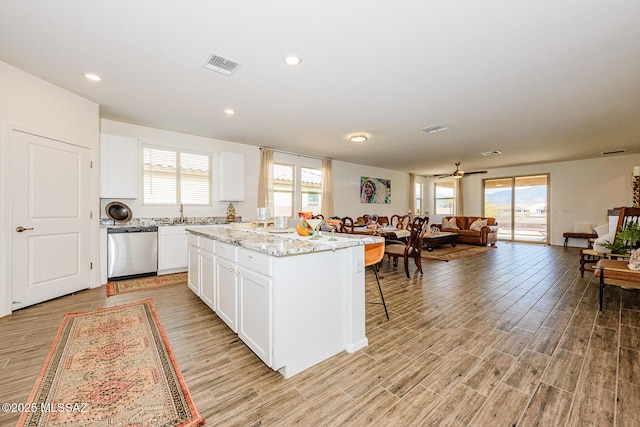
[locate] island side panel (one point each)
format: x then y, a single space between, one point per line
318 308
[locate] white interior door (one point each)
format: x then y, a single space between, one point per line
51 224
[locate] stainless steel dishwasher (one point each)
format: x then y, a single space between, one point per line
132 252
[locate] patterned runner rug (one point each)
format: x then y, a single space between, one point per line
144 283
448 252
111 367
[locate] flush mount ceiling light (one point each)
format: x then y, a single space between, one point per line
229 111
93 77
358 138
292 60
435 129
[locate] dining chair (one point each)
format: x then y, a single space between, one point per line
346 225
401 222
373 254
412 248
364 219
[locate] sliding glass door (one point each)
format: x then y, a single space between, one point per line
520 204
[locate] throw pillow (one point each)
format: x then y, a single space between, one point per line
450 223
598 244
634 260
478 224
602 229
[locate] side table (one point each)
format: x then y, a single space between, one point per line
590 257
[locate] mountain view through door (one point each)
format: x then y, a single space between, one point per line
520 205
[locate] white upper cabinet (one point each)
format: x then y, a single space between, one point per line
230 177
118 167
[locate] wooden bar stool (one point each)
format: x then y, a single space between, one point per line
373 253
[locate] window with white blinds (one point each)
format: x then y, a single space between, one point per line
172 177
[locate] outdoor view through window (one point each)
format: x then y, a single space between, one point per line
520 205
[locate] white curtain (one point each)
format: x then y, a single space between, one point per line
327 189
457 186
265 181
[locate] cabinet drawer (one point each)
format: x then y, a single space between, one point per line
207 244
227 251
192 240
255 261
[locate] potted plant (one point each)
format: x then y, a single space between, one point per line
626 240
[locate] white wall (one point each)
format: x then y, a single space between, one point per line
346 176
30 104
346 189
580 191
196 144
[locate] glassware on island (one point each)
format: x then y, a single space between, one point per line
314 223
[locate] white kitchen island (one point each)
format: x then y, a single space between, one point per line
295 302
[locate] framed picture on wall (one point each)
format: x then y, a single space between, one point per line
375 190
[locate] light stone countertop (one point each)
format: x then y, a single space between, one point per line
283 244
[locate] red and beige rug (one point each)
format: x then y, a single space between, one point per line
111 367
449 253
145 283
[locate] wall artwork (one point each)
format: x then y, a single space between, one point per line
375 190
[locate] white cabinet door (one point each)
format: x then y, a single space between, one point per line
255 313
207 278
227 292
172 249
193 280
231 177
118 167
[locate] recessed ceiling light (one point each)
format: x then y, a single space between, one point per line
491 153
229 111
292 60
93 77
358 138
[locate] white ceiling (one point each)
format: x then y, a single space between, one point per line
540 81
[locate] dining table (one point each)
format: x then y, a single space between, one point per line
389 233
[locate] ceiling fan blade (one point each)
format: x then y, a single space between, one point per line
471 173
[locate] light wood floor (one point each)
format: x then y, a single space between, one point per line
510 337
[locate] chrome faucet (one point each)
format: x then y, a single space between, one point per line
181 214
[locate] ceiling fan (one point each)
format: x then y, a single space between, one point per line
459 173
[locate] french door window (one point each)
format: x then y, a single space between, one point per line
520 204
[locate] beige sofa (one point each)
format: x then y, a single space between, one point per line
483 236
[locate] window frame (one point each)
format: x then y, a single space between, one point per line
178 176
311 189
418 203
284 191
437 209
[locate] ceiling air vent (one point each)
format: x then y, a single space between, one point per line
435 129
221 64
491 153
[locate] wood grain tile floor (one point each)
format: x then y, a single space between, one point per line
509 337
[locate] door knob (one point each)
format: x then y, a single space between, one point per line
20 229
